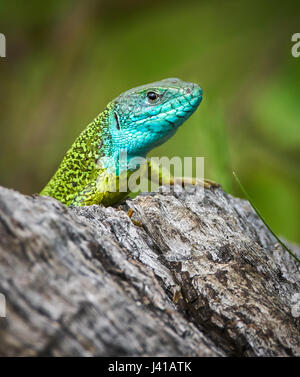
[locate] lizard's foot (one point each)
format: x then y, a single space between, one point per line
206 183
135 222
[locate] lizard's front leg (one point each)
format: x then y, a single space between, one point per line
106 189
160 175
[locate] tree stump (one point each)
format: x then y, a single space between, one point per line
180 277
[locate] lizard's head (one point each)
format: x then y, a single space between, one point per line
144 117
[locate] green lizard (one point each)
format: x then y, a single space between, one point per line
135 122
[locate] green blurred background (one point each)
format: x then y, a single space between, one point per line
67 59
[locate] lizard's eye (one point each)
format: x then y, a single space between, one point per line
152 96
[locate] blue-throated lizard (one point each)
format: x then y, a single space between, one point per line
135 122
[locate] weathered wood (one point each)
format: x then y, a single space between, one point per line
181 277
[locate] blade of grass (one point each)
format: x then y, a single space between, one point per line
262 218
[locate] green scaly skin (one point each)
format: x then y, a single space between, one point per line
136 121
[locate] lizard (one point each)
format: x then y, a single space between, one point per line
135 122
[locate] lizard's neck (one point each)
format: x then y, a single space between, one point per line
123 146
116 154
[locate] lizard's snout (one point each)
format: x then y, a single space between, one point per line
197 91
193 90
194 94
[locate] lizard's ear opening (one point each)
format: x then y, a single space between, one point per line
117 121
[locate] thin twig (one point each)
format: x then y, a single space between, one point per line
262 218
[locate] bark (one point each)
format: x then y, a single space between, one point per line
180 277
